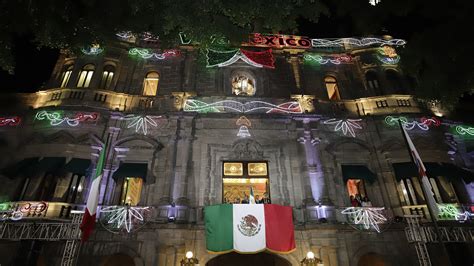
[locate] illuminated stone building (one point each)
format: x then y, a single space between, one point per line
306 123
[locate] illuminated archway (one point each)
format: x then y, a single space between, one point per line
236 259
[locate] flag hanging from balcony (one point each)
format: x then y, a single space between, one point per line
422 173
249 228
88 221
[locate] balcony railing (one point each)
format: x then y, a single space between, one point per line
447 211
379 105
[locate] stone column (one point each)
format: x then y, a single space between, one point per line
313 162
295 61
107 185
183 157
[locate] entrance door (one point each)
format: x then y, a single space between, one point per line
236 259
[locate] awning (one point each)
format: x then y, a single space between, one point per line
131 170
23 167
78 166
408 170
357 172
51 164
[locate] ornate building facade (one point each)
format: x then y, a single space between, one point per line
305 123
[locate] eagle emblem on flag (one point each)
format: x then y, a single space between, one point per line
249 225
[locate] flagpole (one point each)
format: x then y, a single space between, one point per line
425 195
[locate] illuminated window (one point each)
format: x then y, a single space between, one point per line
240 178
233 169
66 75
85 76
131 191
107 77
150 84
243 85
69 188
332 88
357 193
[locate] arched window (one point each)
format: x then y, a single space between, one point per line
107 77
85 76
150 84
243 85
66 75
332 88
394 82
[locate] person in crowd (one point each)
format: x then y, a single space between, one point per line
245 199
266 199
257 199
359 199
354 202
366 202
237 200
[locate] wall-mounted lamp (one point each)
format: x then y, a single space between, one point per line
310 260
189 260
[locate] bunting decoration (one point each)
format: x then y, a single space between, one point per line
346 126
424 124
231 106
57 118
249 228
92 50
327 59
123 218
10 121
368 217
143 122
149 54
259 59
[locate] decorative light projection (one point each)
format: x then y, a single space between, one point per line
230 106
326 59
142 122
184 39
424 124
363 42
461 130
147 54
225 58
10 121
123 217
347 126
368 217
244 124
92 50
452 211
387 55
22 209
57 118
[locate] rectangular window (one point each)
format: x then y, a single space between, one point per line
233 169
240 179
150 86
131 191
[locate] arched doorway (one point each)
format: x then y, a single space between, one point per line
118 259
371 259
236 259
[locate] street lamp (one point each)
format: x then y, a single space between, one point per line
310 260
189 260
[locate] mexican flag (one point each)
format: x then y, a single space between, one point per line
88 220
249 228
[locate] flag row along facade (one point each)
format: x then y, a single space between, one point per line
314 128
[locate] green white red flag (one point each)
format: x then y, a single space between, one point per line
422 173
249 228
88 220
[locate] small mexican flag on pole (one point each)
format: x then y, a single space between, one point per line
249 228
88 221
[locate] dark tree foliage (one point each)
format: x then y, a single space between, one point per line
439 38
438 33
71 24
